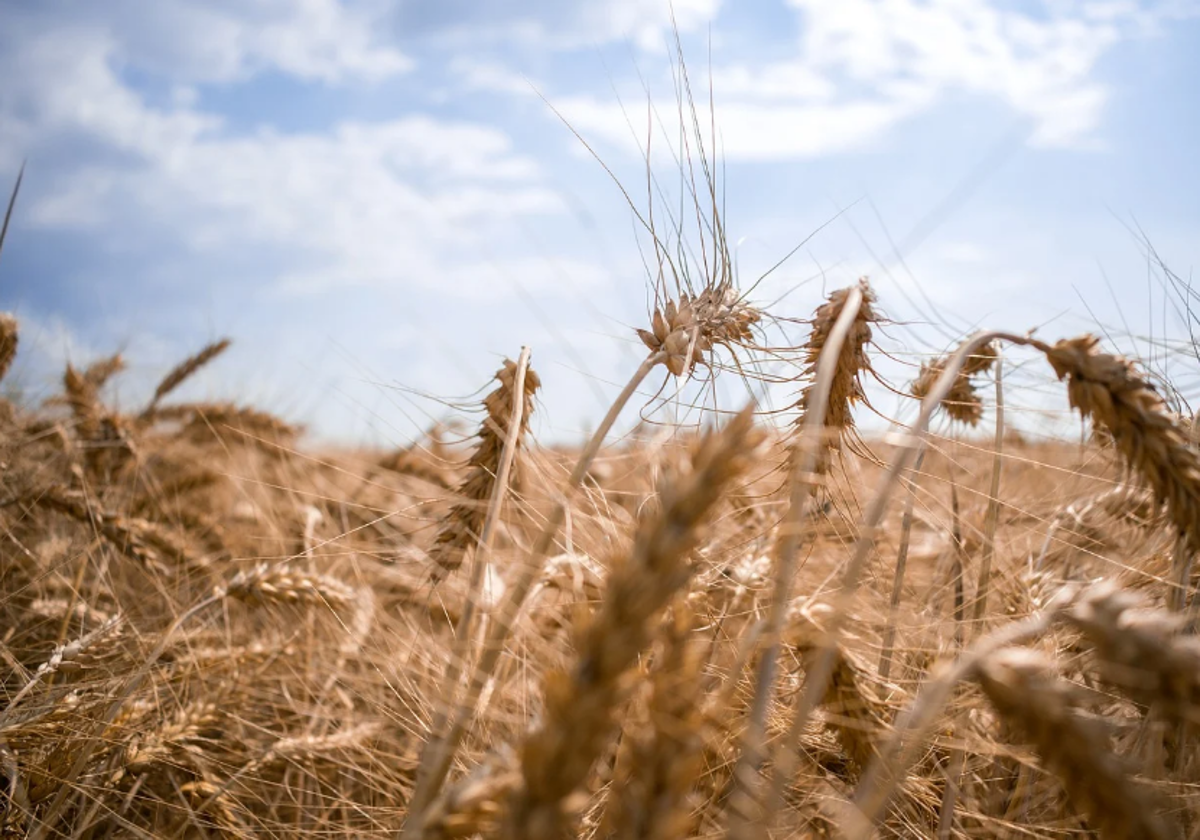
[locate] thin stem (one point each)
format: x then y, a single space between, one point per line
1178 596
439 751
889 633
993 510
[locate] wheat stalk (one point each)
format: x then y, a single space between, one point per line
749 815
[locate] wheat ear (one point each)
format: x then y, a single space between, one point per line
8 342
182 371
845 387
464 524
1145 653
653 799
1022 687
1120 400
557 757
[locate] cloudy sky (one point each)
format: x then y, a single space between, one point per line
378 200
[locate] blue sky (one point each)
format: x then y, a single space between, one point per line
378 200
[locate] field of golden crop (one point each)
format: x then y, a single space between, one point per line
774 626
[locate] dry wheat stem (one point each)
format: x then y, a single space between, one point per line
743 818
12 203
439 750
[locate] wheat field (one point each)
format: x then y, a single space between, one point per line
767 624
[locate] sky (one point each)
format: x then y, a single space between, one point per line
379 201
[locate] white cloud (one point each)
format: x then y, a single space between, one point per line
861 67
229 40
749 130
1041 68
556 25
410 199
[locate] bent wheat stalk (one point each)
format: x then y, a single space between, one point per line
744 819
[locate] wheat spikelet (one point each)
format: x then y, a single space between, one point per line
8 342
1023 688
962 403
464 523
1144 652
557 757
686 330
267 584
180 373
1118 398
846 387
